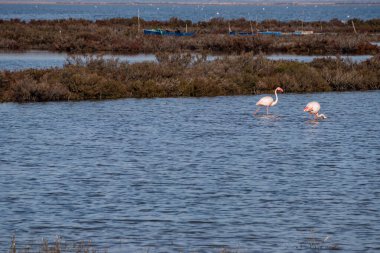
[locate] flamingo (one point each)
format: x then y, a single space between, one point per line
313 108
268 101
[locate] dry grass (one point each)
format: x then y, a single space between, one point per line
58 246
61 246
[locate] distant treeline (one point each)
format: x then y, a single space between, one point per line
176 75
123 36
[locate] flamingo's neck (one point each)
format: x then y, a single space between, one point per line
322 116
275 102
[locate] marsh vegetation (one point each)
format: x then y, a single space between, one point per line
56 246
185 75
122 36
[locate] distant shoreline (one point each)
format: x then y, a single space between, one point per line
187 4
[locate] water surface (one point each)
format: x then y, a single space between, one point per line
310 58
44 59
190 12
193 175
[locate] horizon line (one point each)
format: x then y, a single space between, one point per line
327 3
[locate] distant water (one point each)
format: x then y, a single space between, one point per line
190 12
193 175
44 59
310 58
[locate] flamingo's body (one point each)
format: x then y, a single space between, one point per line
313 108
268 101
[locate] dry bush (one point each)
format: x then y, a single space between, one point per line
29 90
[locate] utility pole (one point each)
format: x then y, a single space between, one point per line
256 24
138 20
353 25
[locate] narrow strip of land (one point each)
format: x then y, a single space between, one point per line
185 75
127 36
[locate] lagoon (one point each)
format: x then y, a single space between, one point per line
193 174
44 59
193 12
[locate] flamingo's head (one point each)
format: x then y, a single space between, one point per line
279 89
307 109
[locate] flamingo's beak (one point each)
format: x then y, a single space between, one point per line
280 90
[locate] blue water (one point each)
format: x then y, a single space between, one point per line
191 12
193 175
44 59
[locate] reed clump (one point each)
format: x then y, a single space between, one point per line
57 246
185 75
122 35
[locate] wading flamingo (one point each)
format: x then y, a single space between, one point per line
313 108
268 101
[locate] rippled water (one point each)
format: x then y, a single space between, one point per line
45 59
310 58
186 174
190 12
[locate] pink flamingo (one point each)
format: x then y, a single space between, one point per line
313 108
268 101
